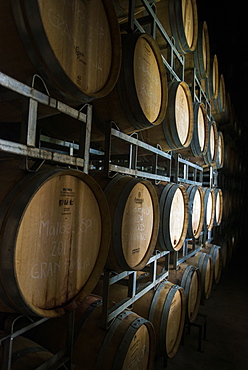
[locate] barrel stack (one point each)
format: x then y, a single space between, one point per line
125 257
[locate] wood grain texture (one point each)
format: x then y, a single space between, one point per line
60 233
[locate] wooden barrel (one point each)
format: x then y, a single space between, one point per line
196 211
128 343
215 252
213 80
218 206
177 128
202 51
134 212
165 307
219 104
189 278
221 240
200 58
209 159
48 220
204 262
173 203
180 21
26 354
199 143
75 48
209 208
139 99
211 156
220 151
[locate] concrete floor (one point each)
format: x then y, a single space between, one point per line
226 344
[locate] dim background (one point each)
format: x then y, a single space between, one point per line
228 33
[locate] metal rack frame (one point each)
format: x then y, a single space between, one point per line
62 153
28 148
14 327
80 155
129 279
134 24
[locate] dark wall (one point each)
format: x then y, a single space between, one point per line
228 31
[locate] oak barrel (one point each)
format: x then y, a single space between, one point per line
220 158
204 262
25 354
215 252
189 278
139 99
196 211
209 208
179 19
219 104
176 129
211 155
134 210
199 143
218 206
200 58
173 203
128 343
165 308
74 46
209 159
213 80
48 220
